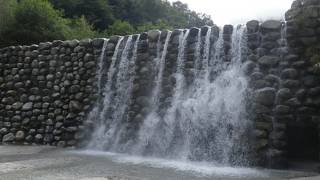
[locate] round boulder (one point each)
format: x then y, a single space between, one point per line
20 135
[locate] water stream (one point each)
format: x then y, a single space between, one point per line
206 120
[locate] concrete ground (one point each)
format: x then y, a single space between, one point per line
49 163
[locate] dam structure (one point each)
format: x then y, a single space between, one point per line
246 95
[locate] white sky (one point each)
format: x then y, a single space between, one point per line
240 11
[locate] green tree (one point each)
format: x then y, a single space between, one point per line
161 25
35 21
7 9
140 12
120 28
97 12
79 29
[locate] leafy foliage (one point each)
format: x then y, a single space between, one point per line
97 12
120 28
34 21
79 28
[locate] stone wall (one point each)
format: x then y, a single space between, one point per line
267 50
299 99
285 84
48 90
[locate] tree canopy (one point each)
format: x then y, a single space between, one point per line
33 21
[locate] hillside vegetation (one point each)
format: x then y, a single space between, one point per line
34 21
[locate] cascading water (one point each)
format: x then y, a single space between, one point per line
206 120
117 93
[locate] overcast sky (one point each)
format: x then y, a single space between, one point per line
240 11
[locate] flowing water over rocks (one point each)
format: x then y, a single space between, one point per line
205 116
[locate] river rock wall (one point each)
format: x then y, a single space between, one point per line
48 90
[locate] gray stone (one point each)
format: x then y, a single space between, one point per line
8 138
260 133
143 101
260 84
85 42
3 131
8 100
261 109
290 83
29 138
153 35
38 138
289 73
227 29
20 135
249 67
267 126
271 25
48 138
194 32
269 61
25 121
265 96
27 106
73 43
16 118
74 88
256 76
50 77
98 42
58 125
56 95
79 135
75 106
261 144
90 64
314 91
61 144
294 102
79 49
291 58
282 110
310 81
17 105
88 57
43 46
272 79
253 26
284 94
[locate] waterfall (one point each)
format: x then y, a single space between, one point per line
94 114
206 119
117 93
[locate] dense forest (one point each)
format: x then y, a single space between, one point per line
34 21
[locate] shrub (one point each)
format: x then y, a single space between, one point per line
35 21
119 28
79 29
